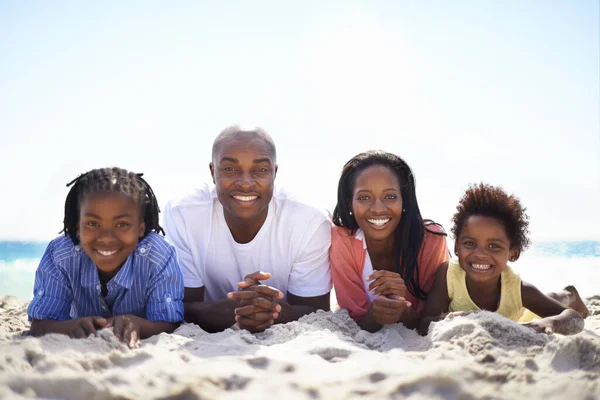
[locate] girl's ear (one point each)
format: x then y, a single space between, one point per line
513 255
142 228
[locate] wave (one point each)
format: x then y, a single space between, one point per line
549 273
17 277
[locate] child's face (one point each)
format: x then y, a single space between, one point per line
483 248
110 225
377 202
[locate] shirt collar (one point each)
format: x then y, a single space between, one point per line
89 274
360 235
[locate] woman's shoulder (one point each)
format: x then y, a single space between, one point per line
433 227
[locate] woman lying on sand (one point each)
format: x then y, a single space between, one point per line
384 256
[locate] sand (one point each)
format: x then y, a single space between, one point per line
321 356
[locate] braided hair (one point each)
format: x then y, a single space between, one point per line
112 180
410 231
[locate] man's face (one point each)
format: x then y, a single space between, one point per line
243 171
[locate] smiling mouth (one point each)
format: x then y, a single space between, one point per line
106 253
245 198
480 267
378 221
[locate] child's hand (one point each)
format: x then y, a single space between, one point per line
545 325
386 283
127 329
84 327
388 310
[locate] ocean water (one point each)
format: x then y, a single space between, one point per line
548 265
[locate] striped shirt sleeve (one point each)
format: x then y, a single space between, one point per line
165 293
52 294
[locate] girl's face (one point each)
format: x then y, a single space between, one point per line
483 248
110 225
377 202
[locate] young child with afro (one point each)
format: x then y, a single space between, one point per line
491 228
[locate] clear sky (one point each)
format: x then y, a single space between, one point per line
466 91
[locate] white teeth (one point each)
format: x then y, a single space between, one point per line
379 222
245 198
481 266
106 253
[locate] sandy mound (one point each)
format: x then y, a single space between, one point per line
322 356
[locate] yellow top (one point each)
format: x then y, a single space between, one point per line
511 305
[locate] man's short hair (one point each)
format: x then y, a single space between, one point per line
235 130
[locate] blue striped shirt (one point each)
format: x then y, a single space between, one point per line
148 285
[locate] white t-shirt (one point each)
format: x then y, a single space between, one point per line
293 245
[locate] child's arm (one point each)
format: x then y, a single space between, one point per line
49 311
75 328
437 301
555 317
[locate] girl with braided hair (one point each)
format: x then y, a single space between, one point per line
111 268
491 229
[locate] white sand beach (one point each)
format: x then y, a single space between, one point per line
322 356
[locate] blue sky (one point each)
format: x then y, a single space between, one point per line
468 91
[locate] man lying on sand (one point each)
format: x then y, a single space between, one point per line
225 235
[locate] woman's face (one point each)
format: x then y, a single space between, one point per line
377 202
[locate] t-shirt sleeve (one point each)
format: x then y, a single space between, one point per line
165 293
347 280
176 234
311 273
52 293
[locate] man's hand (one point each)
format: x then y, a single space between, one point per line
127 329
258 303
387 283
84 327
388 310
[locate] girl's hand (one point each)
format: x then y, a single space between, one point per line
386 283
385 310
545 325
84 327
127 329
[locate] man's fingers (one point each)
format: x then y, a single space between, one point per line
256 291
247 282
267 291
260 316
255 312
259 276
254 326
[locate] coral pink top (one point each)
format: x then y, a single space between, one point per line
347 255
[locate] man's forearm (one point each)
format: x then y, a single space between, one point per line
291 313
212 317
